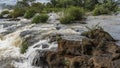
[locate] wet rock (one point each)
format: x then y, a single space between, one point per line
40 59
97 50
58 27
116 63
70 47
45 46
87 46
77 61
55 60
101 62
115 56
13 19
99 34
54 37
24 33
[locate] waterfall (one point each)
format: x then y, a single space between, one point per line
10 48
34 55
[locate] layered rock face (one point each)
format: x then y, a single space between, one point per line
97 50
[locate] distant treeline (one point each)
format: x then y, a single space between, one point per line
72 10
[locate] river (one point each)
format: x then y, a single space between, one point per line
12 34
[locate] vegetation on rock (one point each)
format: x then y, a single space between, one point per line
72 14
17 12
29 14
97 33
24 47
40 18
3 13
94 51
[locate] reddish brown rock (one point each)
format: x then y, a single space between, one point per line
98 50
70 47
55 60
78 62
98 34
101 62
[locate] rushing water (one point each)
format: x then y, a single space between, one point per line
9 48
10 51
11 39
33 54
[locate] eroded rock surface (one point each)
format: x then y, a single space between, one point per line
96 50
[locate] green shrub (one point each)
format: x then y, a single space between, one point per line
111 5
100 10
107 7
24 47
29 14
40 18
44 17
48 10
3 13
1 16
37 7
72 14
67 19
76 12
17 12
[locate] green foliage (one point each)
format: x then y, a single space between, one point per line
90 4
100 9
29 14
1 16
17 12
36 19
67 19
37 7
48 10
3 13
24 47
44 17
112 6
21 4
76 12
106 7
40 18
86 4
72 14
66 3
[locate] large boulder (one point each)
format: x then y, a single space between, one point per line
70 47
97 50
98 34
101 62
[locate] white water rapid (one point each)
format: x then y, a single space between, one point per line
10 50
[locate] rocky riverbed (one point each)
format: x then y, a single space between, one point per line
56 45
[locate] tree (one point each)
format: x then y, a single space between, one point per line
90 4
54 2
21 4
